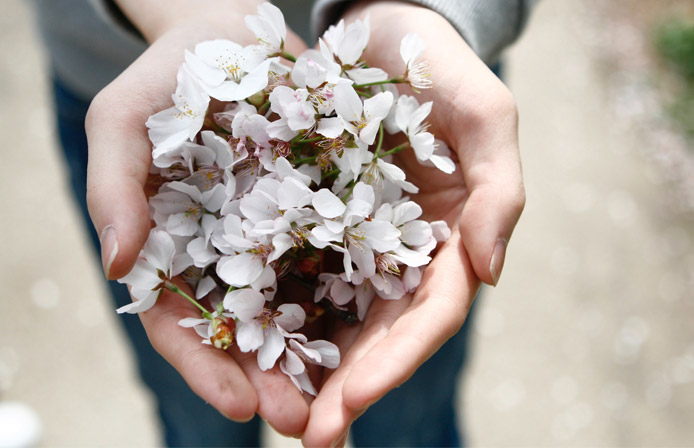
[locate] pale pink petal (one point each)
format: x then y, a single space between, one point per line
292 317
329 353
365 295
292 363
411 278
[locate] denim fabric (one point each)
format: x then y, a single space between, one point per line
419 413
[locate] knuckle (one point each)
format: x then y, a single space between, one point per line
517 200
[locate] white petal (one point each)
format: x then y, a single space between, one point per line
367 75
405 109
141 305
272 348
327 204
347 103
378 106
411 47
183 224
381 235
246 304
341 292
415 233
410 257
445 164
440 230
405 212
249 336
330 127
190 322
205 286
363 257
354 41
240 270
281 243
143 276
266 279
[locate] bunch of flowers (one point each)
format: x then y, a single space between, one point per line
275 179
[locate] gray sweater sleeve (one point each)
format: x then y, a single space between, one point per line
488 26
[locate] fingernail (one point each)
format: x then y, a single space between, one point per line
497 263
109 248
340 441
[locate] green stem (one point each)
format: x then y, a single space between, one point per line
395 150
349 193
380 140
172 287
304 160
396 80
288 56
363 93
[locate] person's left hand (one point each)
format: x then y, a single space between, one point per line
481 201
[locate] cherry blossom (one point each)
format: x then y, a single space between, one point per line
175 125
361 120
152 269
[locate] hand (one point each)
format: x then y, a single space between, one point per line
119 160
482 200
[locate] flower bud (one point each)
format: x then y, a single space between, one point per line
222 332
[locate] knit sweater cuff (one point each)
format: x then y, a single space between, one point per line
488 26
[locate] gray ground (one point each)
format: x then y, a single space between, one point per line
588 340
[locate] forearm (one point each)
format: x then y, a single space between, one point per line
154 17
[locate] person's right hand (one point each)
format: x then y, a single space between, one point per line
119 160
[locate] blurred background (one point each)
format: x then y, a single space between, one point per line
587 340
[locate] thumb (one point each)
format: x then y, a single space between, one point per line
119 154
490 162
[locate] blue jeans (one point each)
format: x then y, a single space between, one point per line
419 413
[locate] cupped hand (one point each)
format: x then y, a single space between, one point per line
481 201
119 161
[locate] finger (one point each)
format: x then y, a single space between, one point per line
437 312
211 373
280 403
330 418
